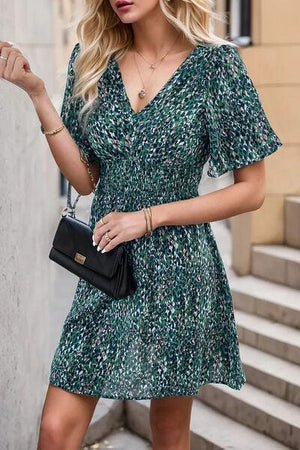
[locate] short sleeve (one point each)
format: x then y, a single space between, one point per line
238 130
70 109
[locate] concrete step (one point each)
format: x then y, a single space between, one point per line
210 430
108 415
274 375
292 221
266 299
256 409
120 439
279 263
271 337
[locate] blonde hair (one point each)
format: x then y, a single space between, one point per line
100 34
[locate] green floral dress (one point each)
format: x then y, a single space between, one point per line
178 331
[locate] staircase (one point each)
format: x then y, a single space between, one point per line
265 413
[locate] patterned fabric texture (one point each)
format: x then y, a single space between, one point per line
178 331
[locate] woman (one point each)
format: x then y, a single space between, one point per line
164 95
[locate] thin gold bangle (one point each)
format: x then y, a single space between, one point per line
148 215
147 222
57 130
147 233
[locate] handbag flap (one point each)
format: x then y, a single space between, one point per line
74 238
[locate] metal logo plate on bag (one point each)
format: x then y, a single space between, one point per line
79 258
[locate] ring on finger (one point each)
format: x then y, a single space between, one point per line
107 237
3 57
101 221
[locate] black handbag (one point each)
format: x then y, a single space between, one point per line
73 249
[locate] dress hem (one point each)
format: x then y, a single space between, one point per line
170 394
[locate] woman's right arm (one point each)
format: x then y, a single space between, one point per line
64 149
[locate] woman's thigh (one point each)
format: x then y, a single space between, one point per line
65 418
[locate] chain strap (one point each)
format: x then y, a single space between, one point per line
84 159
70 209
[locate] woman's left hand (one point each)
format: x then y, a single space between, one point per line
121 227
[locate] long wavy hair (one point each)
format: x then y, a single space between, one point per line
101 34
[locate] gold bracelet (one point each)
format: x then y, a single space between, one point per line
147 223
53 131
148 216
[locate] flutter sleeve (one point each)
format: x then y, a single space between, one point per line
70 109
238 129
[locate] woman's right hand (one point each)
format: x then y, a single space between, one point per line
16 69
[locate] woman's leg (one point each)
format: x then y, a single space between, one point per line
170 422
65 419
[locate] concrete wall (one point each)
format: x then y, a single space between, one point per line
66 18
29 215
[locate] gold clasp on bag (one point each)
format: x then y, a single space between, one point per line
79 258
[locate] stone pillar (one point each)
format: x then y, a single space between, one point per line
29 189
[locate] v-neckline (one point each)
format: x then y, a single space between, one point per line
174 75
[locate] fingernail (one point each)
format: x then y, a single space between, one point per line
103 250
94 243
98 248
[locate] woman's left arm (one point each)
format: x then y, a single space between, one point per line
247 193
